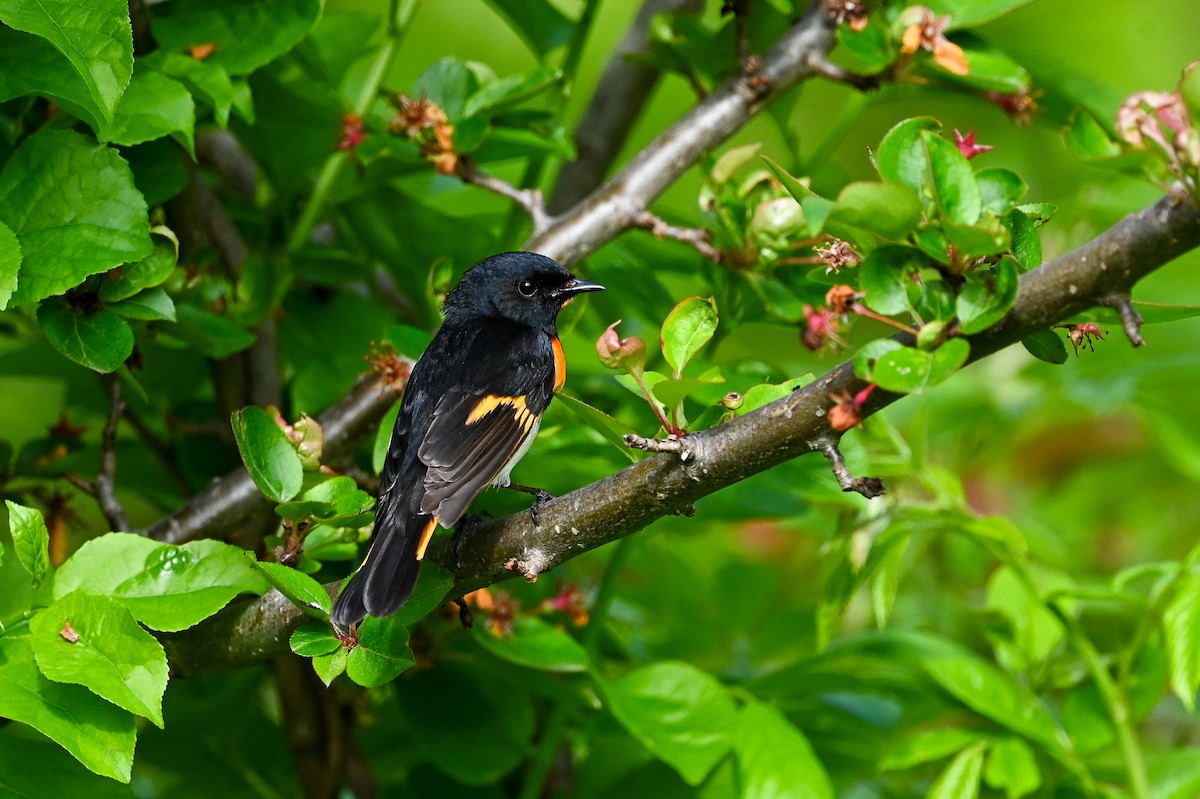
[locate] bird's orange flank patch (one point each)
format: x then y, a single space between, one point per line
560 364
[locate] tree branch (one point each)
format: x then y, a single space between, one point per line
614 207
631 499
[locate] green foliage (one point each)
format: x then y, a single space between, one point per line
236 222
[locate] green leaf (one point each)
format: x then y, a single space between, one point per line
969 13
1000 189
537 644
75 210
543 27
766 393
926 746
732 160
673 391
988 236
885 275
247 35
330 665
794 187
774 759
1026 243
960 779
447 82
990 70
613 429
1012 767
34 768
149 272
886 209
433 583
166 587
152 305
272 461
459 710
872 45
681 714
1152 313
342 503
986 297
948 359
1087 139
30 65
113 656
902 156
10 264
383 438
954 182
1181 629
304 592
204 79
870 353
99 340
1189 89
95 37
511 90
905 370
31 540
1046 345
315 639
154 106
686 329
382 653
212 335
98 733
407 340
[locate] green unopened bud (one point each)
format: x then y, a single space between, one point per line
309 438
930 335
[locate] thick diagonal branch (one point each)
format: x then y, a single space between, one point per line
628 501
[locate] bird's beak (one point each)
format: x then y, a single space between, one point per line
577 286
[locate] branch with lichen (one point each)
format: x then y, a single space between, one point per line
626 502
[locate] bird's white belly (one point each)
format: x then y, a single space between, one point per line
505 477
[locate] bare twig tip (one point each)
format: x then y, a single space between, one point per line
869 487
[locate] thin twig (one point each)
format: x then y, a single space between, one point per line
1131 320
528 199
105 481
827 69
869 487
697 238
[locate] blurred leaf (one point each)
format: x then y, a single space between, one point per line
150 271
314 639
793 186
872 45
686 329
247 35
902 156
511 90
1189 90
1086 138
960 779
383 438
1046 345
74 208
154 106
673 391
96 38
762 394
969 13
1181 629
211 334
39 768
734 159
1175 775
681 714
98 733
1152 313
382 653
927 745
269 456
543 27
153 304
986 297
100 340
885 275
886 209
303 591
1000 189
613 430
538 645
954 182
867 356
31 540
1013 768
407 340
990 69
112 655
447 83
774 759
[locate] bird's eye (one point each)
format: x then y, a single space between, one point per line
526 288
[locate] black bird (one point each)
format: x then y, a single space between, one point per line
471 409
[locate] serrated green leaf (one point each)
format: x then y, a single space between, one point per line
613 429
304 592
686 329
1046 345
885 275
1181 629
538 645
30 65
206 80
10 264
902 157
96 37
98 733
960 779
954 182
312 640
680 713
31 539
774 759
986 297
154 106
447 82
886 209
75 210
99 340
93 641
272 461
247 35
166 587
382 653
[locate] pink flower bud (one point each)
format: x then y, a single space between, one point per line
618 353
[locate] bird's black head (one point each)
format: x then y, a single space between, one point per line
520 287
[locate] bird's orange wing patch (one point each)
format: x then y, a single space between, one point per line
560 364
491 402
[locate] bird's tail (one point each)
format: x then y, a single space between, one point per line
386 578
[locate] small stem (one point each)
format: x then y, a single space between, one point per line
861 310
653 403
398 23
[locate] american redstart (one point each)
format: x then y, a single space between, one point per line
471 409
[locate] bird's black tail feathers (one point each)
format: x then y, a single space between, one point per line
386 578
